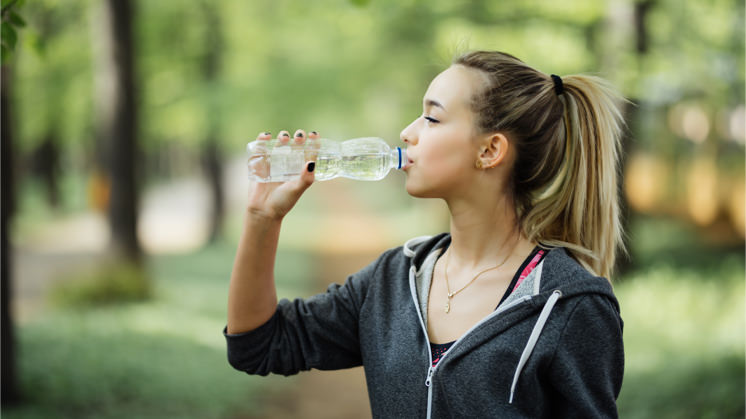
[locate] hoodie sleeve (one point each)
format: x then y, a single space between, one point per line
318 332
588 365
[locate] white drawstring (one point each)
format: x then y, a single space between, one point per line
556 294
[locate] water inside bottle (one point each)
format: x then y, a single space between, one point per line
370 166
328 166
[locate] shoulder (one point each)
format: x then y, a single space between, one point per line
397 261
562 263
561 271
585 294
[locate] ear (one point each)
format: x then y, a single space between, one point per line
493 151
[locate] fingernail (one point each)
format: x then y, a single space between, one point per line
298 134
286 134
267 133
311 166
314 133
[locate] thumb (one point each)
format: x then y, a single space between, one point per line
305 179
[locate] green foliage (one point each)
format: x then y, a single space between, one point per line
111 283
11 22
695 389
360 3
684 332
353 68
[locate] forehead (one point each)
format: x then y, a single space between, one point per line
455 86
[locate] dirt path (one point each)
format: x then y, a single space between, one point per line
317 395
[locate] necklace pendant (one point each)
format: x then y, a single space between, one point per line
448 307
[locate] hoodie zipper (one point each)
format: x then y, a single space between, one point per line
430 368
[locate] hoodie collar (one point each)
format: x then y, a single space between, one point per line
566 274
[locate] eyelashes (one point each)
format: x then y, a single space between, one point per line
430 119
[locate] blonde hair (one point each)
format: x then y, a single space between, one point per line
565 178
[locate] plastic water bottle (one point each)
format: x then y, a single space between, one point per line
360 158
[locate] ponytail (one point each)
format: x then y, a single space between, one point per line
580 207
567 136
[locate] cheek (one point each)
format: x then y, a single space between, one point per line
441 166
452 151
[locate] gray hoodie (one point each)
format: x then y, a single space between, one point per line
553 348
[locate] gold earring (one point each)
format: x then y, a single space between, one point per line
479 164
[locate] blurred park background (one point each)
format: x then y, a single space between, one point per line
124 125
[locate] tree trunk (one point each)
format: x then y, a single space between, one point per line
213 159
642 38
10 393
46 165
214 168
117 123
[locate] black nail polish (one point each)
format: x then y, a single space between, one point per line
311 167
314 133
298 134
285 134
267 133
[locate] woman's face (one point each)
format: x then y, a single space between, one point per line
441 146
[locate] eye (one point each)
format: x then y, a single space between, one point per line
431 120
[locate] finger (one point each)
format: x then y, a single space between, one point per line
299 137
312 148
283 137
297 186
266 135
305 179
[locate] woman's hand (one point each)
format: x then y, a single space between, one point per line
272 201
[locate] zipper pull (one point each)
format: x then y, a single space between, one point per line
428 380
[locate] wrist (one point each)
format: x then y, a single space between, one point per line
256 216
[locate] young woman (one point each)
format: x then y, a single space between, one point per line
508 315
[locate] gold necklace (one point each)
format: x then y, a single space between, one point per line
450 294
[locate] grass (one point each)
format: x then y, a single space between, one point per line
164 357
109 283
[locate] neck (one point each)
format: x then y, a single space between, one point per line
484 232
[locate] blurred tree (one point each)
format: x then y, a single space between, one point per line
117 122
45 162
9 390
212 156
9 393
45 157
353 68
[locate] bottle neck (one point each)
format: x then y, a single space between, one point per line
398 158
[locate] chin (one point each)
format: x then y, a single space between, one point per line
418 191
412 189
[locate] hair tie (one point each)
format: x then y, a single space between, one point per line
559 88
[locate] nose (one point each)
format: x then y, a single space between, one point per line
409 134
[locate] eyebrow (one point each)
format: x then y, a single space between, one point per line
431 102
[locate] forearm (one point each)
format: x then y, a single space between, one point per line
252 296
